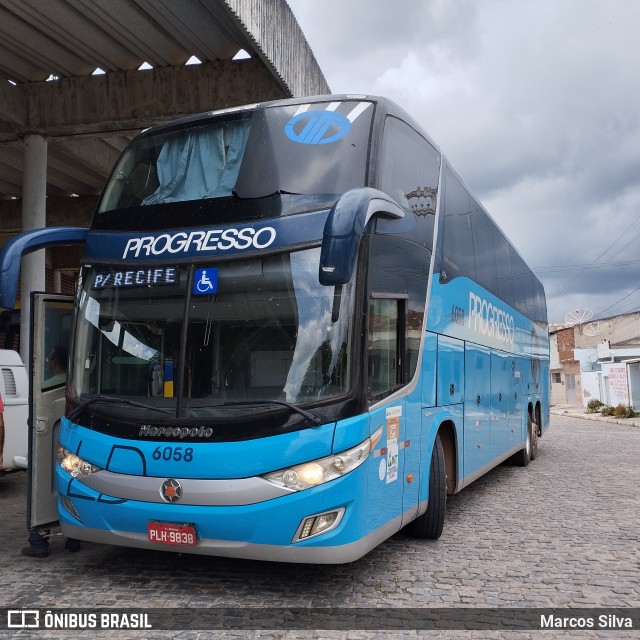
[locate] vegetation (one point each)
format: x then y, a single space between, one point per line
593 406
621 411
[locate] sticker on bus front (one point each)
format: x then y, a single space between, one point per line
205 282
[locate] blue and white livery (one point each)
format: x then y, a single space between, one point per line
295 332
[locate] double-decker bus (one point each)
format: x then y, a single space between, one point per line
295 332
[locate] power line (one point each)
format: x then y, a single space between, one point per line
617 302
600 256
572 267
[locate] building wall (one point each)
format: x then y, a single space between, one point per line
566 385
591 389
557 385
618 330
566 344
558 394
617 377
598 355
554 360
634 384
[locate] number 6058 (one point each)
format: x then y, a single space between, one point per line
177 454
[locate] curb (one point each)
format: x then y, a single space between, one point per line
629 422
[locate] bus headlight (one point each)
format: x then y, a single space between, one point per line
75 465
316 472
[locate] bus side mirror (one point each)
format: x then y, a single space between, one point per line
344 229
11 254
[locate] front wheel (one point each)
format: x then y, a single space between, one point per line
429 525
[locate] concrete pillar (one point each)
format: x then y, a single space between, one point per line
34 216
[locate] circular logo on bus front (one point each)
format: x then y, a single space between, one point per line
171 490
317 127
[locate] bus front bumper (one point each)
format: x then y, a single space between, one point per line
267 530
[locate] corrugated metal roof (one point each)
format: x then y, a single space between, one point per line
68 38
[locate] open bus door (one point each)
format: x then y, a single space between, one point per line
51 326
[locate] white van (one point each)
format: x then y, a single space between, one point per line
14 387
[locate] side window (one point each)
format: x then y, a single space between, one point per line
384 346
521 285
398 279
474 247
541 304
504 289
457 242
485 251
409 172
55 341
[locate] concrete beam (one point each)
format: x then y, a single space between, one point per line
281 44
133 100
95 154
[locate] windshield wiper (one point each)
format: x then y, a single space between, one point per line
312 417
76 411
277 192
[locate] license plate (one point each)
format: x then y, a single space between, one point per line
168 533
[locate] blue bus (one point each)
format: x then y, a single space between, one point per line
295 332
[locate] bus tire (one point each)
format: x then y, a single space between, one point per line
534 440
523 457
429 525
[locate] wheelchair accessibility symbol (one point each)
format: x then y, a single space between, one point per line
205 281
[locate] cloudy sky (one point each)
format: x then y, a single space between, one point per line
536 103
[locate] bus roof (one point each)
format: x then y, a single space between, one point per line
387 106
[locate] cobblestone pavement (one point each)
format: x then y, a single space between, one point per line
562 532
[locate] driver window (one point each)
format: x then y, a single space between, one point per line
385 365
54 347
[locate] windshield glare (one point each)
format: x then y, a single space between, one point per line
263 331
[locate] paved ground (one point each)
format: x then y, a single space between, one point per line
563 532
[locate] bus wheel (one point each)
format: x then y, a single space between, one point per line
523 457
429 524
534 439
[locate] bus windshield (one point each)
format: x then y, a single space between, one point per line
317 148
240 336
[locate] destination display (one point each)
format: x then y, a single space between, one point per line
125 278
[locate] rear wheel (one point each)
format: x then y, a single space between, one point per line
523 457
534 440
429 524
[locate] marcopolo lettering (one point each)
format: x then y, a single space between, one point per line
200 241
175 432
490 321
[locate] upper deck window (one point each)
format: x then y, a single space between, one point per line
202 163
314 148
183 164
